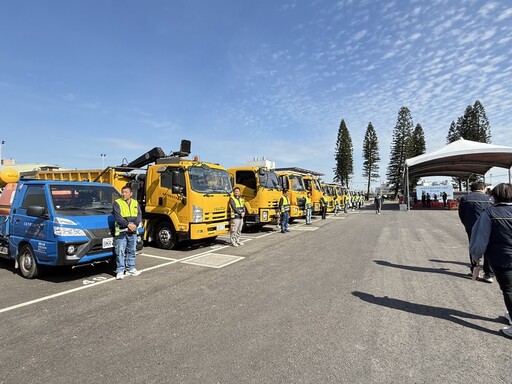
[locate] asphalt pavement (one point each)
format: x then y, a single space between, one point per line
357 298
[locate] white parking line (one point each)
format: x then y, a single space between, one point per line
55 295
157 257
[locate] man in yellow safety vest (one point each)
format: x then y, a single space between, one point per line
237 208
128 216
284 208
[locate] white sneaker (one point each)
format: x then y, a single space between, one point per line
507 331
234 244
120 276
133 272
488 279
240 243
507 316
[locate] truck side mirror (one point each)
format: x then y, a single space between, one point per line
36 211
176 189
175 182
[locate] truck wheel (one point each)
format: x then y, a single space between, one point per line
165 236
27 262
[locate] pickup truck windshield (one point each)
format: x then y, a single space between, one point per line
75 199
209 180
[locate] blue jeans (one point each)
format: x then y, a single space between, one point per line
285 217
308 215
125 251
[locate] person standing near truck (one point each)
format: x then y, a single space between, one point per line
284 208
237 208
128 216
309 208
323 206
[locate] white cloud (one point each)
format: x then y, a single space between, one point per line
505 14
487 9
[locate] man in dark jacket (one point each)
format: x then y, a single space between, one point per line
470 208
492 236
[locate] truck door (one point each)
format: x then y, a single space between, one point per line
30 228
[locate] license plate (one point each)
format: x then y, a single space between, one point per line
221 227
108 242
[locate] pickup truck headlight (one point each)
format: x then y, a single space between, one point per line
60 230
197 214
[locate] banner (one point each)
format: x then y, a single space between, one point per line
435 191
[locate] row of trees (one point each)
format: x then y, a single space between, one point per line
407 142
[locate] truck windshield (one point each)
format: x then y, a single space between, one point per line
75 199
209 180
297 183
269 180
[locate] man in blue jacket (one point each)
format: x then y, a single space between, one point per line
470 208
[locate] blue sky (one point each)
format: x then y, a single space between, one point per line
244 79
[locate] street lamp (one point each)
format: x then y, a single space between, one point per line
1 146
103 155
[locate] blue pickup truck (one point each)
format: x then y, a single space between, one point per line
54 223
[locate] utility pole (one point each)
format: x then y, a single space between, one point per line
103 155
1 146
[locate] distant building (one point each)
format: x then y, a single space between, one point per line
11 164
257 162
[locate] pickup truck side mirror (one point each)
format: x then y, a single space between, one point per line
36 211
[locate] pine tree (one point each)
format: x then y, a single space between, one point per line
484 127
370 155
400 149
453 134
344 156
473 125
417 147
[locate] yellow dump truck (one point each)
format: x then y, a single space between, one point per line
312 184
181 199
330 193
260 189
294 182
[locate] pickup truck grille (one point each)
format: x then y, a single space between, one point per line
101 232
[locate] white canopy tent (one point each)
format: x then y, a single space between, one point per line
462 158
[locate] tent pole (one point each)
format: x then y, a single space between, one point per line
407 187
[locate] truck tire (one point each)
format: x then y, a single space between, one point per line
27 262
165 236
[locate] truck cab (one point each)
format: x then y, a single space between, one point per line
330 194
260 189
185 200
312 184
294 182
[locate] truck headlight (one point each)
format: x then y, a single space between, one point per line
197 214
60 230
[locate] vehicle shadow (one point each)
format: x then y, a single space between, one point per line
8 265
62 274
445 271
448 314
